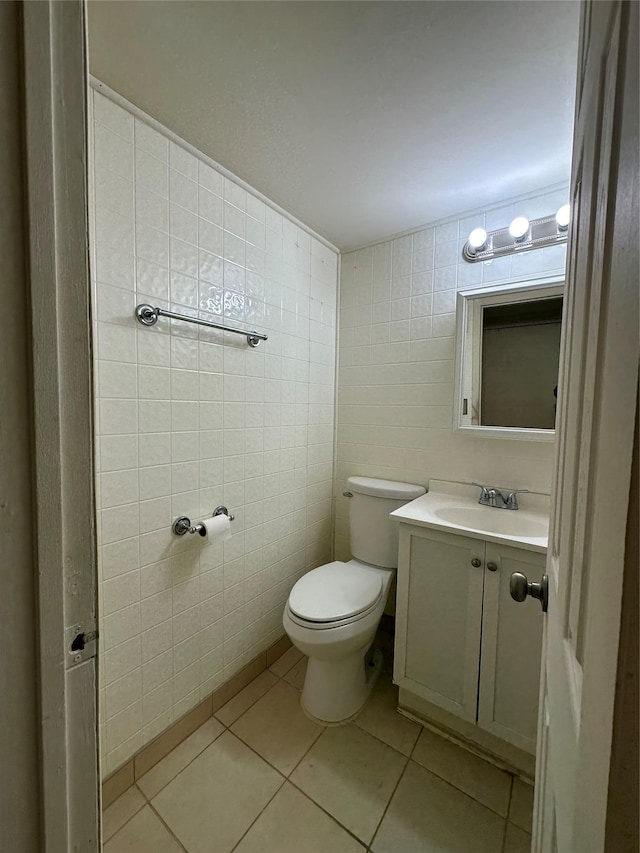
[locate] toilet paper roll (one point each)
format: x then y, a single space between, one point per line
216 527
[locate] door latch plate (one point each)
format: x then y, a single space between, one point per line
81 642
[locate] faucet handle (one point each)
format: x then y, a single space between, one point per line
511 501
484 491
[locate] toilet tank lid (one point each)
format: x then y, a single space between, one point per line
385 488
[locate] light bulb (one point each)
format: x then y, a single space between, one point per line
519 227
562 217
477 238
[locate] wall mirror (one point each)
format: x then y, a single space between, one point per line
507 360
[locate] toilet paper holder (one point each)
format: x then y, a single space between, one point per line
182 524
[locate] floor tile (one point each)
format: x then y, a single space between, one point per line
426 815
144 833
178 758
235 707
277 728
291 823
352 775
120 811
521 808
379 717
282 666
212 803
297 673
516 840
481 780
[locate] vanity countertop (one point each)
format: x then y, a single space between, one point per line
454 508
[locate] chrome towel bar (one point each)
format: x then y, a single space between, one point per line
148 316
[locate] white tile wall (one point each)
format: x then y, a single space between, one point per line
396 357
188 418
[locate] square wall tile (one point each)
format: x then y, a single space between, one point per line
184 415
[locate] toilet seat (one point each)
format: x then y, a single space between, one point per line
334 594
320 626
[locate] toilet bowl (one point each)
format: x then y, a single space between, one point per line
333 611
336 639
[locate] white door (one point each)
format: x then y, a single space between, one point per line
597 400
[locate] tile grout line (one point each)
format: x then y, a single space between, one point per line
266 760
386 808
384 742
255 701
325 729
504 836
174 777
413 748
355 723
293 784
258 816
329 815
461 791
281 677
287 778
129 819
168 828
510 796
225 728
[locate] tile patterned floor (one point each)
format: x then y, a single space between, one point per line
260 777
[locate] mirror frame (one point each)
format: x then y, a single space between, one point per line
466 301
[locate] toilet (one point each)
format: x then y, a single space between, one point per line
333 612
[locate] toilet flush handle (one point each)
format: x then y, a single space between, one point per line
347 494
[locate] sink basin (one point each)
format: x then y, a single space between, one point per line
451 506
500 521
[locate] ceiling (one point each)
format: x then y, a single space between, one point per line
363 119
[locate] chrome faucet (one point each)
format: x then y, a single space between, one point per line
499 498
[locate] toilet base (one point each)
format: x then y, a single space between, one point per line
335 691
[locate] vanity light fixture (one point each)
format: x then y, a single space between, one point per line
477 239
519 228
522 235
563 216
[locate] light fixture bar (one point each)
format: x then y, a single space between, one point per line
542 232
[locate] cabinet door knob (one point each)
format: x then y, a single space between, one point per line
476 563
493 567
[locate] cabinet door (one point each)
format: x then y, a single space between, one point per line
511 649
439 613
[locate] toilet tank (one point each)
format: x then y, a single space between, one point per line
373 535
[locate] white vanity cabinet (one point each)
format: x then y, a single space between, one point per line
462 643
